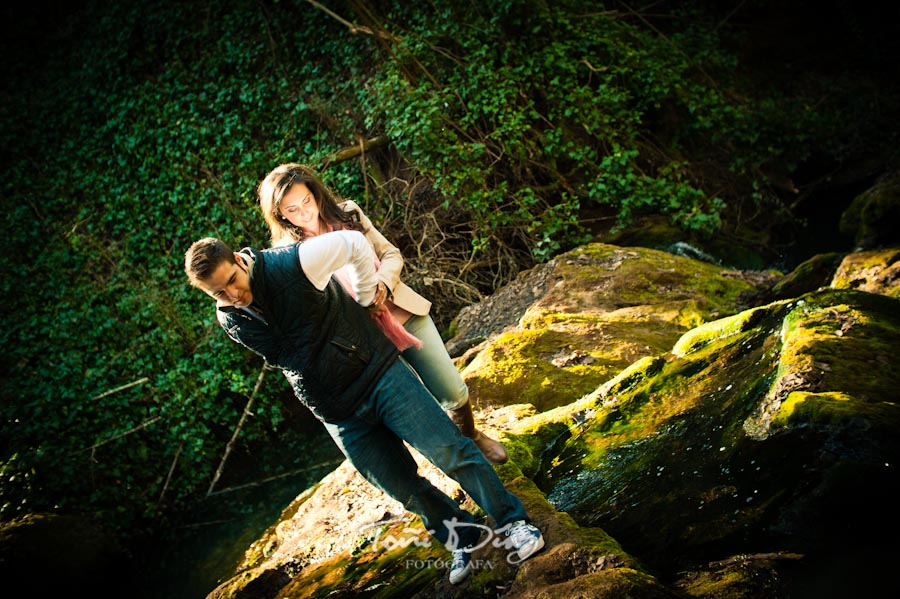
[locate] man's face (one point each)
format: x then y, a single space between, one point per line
229 284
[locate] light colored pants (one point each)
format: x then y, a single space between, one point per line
433 364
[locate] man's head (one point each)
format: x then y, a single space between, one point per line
215 269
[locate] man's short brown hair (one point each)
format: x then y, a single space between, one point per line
204 257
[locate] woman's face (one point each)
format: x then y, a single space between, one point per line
300 208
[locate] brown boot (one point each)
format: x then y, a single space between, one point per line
465 420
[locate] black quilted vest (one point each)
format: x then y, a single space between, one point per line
327 345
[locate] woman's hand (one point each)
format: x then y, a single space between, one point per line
377 304
380 294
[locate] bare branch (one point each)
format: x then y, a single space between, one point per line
353 151
121 388
169 475
354 28
271 478
111 439
739 559
237 430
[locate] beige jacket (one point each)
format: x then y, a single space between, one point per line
391 264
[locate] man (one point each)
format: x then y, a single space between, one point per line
283 304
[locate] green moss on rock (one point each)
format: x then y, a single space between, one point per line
836 408
610 307
833 340
810 275
724 327
872 217
874 271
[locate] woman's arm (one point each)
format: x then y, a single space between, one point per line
388 255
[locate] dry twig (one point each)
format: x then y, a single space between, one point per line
121 388
271 478
143 425
237 430
169 475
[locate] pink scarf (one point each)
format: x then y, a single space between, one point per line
402 338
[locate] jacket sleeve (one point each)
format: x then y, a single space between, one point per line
247 331
388 255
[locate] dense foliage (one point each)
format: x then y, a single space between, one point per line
476 134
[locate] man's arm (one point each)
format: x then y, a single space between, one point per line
320 256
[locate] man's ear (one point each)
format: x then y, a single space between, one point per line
239 260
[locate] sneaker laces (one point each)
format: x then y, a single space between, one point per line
520 533
458 558
460 566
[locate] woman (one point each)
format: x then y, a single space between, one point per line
297 206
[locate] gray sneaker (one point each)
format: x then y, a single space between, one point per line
461 565
525 539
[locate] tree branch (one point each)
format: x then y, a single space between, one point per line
271 478
113 438
354 28
237 430
169 475
353 151
121 388
739 559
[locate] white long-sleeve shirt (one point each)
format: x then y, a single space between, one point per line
322 255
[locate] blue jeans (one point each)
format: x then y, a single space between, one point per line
401 409
433 364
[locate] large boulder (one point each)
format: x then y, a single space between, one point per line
590 313
774 432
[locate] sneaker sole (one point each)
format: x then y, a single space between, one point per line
530 549
458 578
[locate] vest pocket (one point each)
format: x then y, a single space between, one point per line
352 350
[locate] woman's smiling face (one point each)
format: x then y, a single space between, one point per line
299 207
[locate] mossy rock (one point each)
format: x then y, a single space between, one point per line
607 308
872 217
732 432
810 275
874 271
760 431
746 576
